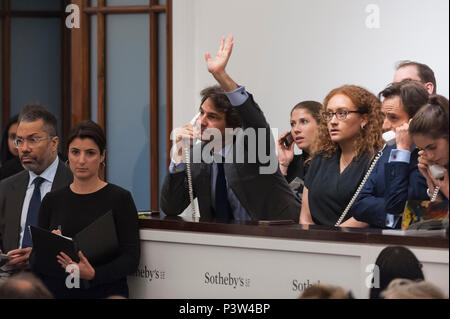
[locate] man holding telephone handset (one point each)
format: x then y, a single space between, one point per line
226 188
396 177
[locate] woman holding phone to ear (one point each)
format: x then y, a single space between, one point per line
349 138
305 118
430 131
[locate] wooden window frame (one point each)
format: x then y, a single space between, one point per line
81 75
6 13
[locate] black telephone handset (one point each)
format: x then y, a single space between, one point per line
288 140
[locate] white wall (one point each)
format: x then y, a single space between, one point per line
292 50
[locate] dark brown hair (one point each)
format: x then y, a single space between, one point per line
395 262
222 104
91 130
5 153
412 93
313 107
432 119
426 74
32 113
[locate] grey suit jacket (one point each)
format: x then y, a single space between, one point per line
264 196
12 195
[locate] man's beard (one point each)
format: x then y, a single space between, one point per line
35 167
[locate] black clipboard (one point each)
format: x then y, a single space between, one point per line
98 242
47 246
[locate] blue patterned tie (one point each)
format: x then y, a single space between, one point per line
223 208
33 211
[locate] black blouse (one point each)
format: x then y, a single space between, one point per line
298 169
329 191
74 212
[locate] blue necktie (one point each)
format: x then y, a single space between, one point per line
33 211
223 208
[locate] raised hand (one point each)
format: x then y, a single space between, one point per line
218 64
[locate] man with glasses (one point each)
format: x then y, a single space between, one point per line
20 195
395 178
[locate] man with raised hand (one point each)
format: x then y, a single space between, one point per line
239 180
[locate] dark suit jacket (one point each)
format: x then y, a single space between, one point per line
264 196
12 195
388 188
10 168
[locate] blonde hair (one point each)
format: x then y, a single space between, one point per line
325 292
409 289
370 138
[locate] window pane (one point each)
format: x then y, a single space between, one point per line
93 3
36 64
41 5
93 67
1 70
112 3
162 99
128 104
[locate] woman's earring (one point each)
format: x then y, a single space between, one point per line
67 163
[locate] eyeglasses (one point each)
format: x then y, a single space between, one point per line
31 141
341 115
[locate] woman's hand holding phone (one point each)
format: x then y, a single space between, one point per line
436 180
285 151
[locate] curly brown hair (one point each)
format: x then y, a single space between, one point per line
369 141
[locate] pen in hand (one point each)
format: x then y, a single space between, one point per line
58 231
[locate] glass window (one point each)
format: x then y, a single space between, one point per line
34 5
162 99
128 104
93 68
112 3
36 64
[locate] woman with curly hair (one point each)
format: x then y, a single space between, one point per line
349 138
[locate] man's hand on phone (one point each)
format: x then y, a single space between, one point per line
184 138
20 258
